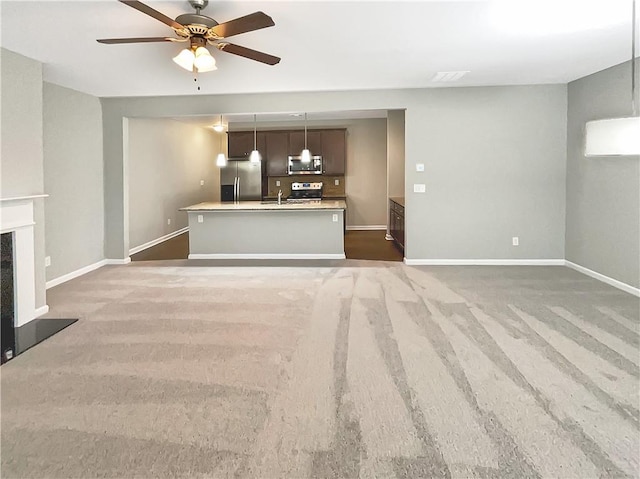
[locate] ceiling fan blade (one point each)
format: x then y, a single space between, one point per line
113 41
248 23
153 13
248 53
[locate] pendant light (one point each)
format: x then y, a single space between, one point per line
305 156
221 160
617 136
220 126
255 157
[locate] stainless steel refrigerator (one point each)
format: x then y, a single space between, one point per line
241 180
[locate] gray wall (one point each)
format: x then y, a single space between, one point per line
494 156
494 168
365 175
73 178
395 153
21 148
167 160
603 194
366 172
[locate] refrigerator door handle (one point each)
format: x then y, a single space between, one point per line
235 189
238 197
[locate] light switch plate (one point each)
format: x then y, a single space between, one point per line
419 188
337 182
335 218
419 166
201 182
47 260
277 182
200 219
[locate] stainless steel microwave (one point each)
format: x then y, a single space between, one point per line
298 167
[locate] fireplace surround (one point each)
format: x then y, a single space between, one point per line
17 218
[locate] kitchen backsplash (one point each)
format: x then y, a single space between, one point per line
329 187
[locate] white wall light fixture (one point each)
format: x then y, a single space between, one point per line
255 157
617 136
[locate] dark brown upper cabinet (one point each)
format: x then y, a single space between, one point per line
334 152
277 152
241 143
296 142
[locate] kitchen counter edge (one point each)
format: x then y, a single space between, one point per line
260 206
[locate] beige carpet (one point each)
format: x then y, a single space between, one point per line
357 369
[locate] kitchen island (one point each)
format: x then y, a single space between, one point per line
267 230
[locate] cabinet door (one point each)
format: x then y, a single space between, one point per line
277 152
334 152
240 143
296 142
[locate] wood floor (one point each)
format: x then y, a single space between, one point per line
369 245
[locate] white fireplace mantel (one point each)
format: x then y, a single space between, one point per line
16 217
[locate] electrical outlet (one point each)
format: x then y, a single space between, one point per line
419 188
335 218
47 261
337 182
200 219
168 221
515 241
419 166
277 182
201 182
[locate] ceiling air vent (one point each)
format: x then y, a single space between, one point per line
442 77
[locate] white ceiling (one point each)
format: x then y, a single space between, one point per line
326 45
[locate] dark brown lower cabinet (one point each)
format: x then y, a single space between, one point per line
396 223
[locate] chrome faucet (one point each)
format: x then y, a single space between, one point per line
280 197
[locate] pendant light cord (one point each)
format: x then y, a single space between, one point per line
255 142
305 128
634 102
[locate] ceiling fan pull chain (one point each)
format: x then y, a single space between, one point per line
195 77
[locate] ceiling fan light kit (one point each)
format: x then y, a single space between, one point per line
201 30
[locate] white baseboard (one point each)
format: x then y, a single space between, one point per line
126 260
484 262
86 269
388 237
366 227
74 274
40 311
266 256
156 241
605 279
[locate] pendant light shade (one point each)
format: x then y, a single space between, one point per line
617 136
305 156
221 160
614 137
255 156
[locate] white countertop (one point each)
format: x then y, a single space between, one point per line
267 205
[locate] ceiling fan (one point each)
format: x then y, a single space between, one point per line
199 30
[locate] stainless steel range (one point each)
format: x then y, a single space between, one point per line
305 192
